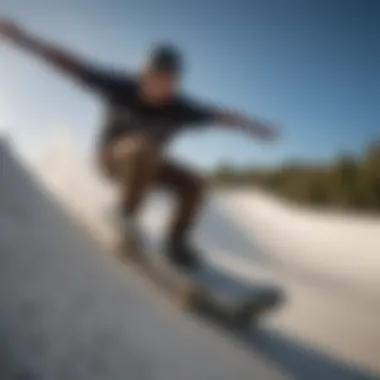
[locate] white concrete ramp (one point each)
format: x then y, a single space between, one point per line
70 311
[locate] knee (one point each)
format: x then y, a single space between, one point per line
135 149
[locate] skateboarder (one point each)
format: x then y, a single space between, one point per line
143 112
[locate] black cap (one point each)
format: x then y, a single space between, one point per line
166 58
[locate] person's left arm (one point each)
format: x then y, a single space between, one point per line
197 113
255 127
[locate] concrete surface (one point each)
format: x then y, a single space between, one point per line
74 311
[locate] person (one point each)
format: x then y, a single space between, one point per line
143 112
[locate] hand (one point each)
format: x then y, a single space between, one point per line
266 133
263 130
10 30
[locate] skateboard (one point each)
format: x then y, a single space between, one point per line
238 303
206 289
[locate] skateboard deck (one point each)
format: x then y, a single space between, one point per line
207 288
241 303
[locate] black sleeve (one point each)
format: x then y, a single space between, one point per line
104 82
191 112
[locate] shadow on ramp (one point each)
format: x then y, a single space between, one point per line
300 361
297 360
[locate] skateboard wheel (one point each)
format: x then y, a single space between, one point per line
243 318
248 316
272 299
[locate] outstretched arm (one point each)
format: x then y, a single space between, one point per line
62 60
199 113
254 127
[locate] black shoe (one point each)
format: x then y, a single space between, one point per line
181 254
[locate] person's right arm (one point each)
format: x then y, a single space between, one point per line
62 60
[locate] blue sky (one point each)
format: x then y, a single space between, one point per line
312 67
